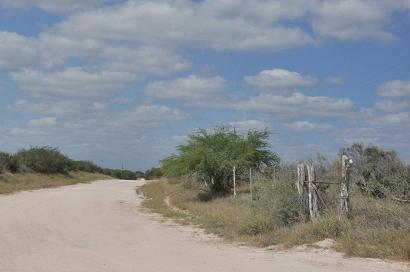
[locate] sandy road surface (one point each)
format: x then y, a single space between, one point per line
99 227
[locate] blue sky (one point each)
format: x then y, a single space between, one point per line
124 82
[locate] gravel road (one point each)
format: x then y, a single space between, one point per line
100 227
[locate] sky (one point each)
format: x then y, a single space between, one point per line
124 82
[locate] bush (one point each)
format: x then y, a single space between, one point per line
123 174
379 172
278 198
44 160
8 163
86 166
258 224
153 173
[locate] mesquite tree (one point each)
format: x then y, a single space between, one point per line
210 156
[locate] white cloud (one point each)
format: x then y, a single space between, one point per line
309 126
280 79
395 89
54 6
187 88
352 19
73 83
198 25
17 51
247 125
396 119
297 104
388 105
42 122
147 115
57 106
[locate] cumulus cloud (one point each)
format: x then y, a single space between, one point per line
17 51
280 79
352 19
60 6
57 106
153 114
42 122
193 25
297 104
388 105
309 126
395 89
187 88
73 83
247 125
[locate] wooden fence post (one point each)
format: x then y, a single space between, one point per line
344 187
300 183
234 182
313 206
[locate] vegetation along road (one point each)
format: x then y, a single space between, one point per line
101 227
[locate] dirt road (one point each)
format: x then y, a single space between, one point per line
99 227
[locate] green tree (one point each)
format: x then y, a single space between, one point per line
210 156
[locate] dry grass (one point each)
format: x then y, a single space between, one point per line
378 229
11 183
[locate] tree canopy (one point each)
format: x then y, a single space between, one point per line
210 156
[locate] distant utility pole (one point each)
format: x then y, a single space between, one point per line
234 181
250 183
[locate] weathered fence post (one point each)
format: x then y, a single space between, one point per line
313 206
234 182
344 187
300 183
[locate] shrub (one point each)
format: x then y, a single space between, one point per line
278 199
153 173
44 160
123 174
8 163
258 224
86 166
379 172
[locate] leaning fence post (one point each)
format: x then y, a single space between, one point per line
234 182
344 187
313 206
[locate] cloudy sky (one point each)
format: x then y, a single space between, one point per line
124 82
